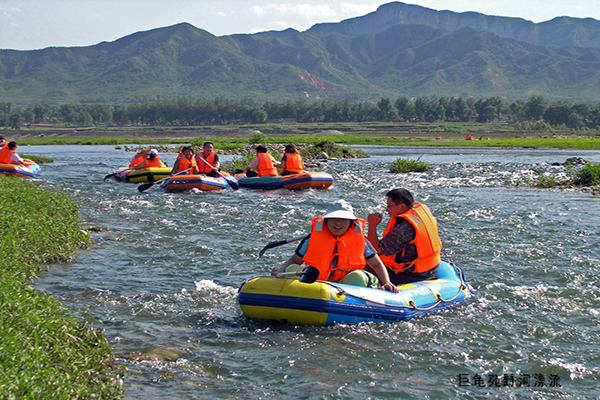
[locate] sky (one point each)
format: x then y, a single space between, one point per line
37 24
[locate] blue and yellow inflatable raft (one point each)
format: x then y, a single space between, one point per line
330 303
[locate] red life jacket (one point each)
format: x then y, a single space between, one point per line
5 154
293 163
427 241
265 165
350 250
205 169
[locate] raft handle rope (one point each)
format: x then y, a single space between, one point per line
411 304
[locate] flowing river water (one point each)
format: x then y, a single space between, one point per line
161 278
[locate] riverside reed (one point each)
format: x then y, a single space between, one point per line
45 353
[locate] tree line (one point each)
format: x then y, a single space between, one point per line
221 111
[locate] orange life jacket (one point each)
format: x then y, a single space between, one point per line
265 165
293 163
137 159
5 154
5 143
184 163
205 169
427 241
350 250
156 163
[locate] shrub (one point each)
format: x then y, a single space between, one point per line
589 175
402 165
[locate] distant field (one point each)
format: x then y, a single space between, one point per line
394 134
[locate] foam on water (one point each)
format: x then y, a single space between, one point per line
161 278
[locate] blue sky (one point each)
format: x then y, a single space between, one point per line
36 24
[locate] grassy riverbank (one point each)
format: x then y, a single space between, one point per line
380 133
44 351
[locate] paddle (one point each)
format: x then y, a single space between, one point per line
309 274
279 243
109 176
115 173
148 185
230 180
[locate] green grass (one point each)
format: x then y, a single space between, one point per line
45 353
589 175
38 159
402 165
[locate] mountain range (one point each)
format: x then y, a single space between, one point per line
398 50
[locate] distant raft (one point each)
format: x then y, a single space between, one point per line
29 170
307 180
180 183
329 303
152 174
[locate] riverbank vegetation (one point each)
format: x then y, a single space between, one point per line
402 166
366 133
44 351
586 177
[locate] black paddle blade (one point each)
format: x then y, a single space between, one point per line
145 186
232 182
270 246
108 176
309 274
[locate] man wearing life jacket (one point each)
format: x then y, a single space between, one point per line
185 160
3 142
264 163
8 155
292 161
410 246
211 166
151 162
139 158
338 249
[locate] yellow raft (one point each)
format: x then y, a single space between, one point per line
328 303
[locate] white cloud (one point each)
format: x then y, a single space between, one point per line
220 14
303 10
257 11
360 9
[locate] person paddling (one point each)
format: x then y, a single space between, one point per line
185 160
151 162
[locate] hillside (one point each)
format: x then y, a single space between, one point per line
560 31
357 60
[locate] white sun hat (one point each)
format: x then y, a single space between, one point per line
340 209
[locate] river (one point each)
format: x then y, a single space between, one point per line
161 278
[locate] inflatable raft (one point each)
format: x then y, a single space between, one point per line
153 174
329 303
29 170
307 180
202 182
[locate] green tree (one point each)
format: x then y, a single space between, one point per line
15 120
387 111
535 107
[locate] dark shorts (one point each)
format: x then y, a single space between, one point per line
407 277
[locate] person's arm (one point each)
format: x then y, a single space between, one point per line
17 160
374 220
276 163
253 164
295 259
377 265
175 166
217 163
